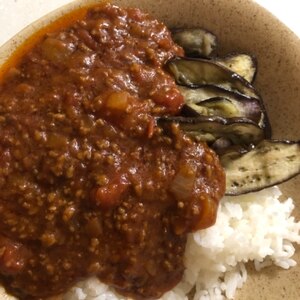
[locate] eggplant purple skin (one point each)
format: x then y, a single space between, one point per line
223 145
257 133
234 150
186 111
231 75
220 120
267 126
251 108
197 41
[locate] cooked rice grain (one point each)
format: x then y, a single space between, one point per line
254 227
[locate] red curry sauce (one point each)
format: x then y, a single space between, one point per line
89 184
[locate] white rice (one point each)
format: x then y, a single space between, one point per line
255 227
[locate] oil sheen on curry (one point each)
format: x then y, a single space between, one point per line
89 184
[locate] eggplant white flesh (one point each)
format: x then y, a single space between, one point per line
269 163
250 108
221 107
226 108
209 129
195 41
197 72
195 95
243 64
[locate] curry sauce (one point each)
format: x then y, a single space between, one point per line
89 184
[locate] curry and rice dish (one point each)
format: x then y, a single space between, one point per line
89 184
118 139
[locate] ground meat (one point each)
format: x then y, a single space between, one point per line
89 184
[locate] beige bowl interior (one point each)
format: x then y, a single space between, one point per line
247 27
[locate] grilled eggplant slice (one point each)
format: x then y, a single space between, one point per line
250 108
195 95
243 64
196 72
209 129
221 107
231 151
195 41
220 145
270 162
226 108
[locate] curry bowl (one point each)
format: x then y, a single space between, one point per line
242 27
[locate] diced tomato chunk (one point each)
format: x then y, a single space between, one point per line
171 99
110 195
12 257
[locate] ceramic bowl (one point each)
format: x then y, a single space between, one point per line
241 26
